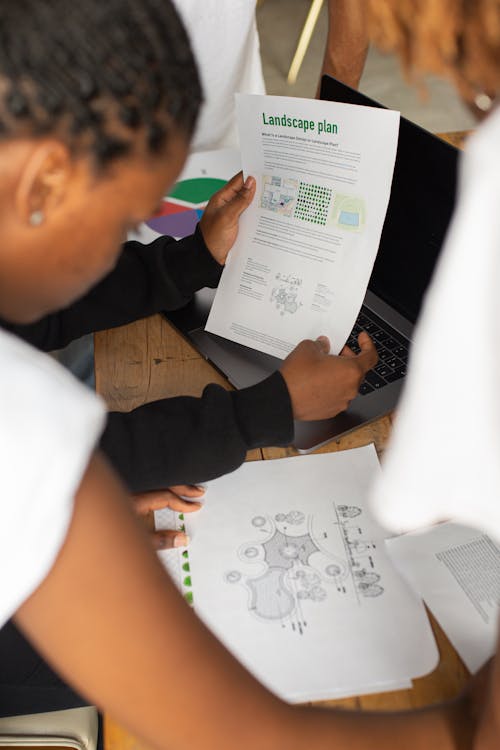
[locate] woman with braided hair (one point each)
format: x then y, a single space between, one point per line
94 125
91 96
98 102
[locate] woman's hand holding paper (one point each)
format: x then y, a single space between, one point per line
219 223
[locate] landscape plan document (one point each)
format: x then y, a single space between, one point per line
288 568
306 246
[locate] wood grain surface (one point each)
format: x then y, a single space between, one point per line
149 360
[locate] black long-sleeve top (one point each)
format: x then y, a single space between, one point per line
176 440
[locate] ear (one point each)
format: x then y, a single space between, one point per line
44 181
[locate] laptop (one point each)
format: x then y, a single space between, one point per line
419 211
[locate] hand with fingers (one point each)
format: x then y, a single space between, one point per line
219 223
182 498
322 385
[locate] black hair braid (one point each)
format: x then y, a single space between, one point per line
96 72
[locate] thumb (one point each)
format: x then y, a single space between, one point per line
239 200
324 344
168 538
368 355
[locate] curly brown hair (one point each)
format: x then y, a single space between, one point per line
459 39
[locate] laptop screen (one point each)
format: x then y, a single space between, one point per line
419 211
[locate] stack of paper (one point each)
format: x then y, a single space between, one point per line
289 570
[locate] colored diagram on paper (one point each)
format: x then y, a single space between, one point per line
278 194
348 213
182 209
313 203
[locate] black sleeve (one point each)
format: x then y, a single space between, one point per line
147 279
189 440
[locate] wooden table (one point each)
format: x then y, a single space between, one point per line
149 360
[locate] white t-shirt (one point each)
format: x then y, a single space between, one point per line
444 458
49 426
225 42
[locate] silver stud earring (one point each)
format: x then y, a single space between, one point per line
36 218
483 102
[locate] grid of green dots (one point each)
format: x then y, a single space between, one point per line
313 202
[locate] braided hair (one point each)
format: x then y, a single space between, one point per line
96 73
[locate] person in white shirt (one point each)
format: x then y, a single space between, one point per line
455 439
224 37
225 41
457 436
81 132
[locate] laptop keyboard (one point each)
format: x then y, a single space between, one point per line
392 350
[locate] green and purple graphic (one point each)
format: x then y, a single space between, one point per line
183 208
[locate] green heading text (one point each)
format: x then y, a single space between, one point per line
285 121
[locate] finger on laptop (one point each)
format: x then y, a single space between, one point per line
346 351
368 356
324 344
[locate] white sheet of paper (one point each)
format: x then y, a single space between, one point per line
456 570
289 570
176 563
306 246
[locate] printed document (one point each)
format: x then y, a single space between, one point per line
306 246
456 570
289 570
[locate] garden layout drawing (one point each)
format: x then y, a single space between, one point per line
288 569
285 294
296 569
279 194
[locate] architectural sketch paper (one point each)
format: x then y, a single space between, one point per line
306 246
456 570
289 570
177 565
